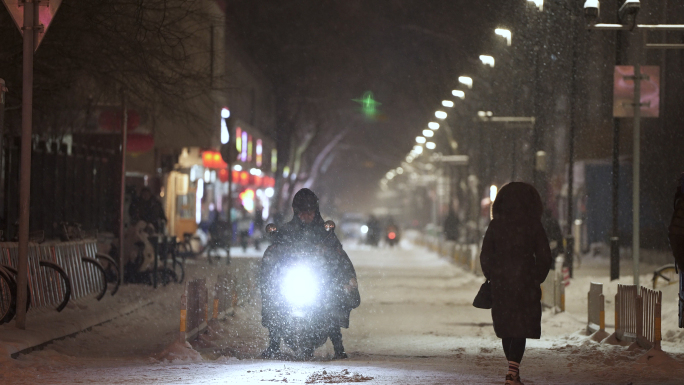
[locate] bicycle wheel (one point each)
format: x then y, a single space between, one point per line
665 276
8 297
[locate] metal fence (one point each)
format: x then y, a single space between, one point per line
57 273
71 186
638 315
553 290
626 312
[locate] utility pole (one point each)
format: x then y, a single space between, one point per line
615 237
122 196
636 137
30 11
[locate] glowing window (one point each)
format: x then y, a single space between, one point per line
259 153
238 141
274 160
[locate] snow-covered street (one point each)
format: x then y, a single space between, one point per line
415 325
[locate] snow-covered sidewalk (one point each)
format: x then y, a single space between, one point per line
416 325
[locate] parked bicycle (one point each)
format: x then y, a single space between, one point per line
665 275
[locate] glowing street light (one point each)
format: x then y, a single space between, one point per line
440 115
418 149
428 133
430 145
420 139
466 80
400 170
538 3
447 103
487 60
492 192
433 125
506 34
458 93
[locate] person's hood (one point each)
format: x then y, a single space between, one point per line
517 200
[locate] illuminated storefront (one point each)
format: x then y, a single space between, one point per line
198 189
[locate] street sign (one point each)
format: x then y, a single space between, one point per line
46 12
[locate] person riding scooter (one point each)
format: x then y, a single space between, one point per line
339 290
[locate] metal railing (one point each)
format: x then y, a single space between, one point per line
58 272
638 315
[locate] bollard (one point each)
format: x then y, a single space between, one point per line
183 315
216 301
206 304
617 312
562 298
603 313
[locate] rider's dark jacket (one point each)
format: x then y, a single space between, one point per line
338 268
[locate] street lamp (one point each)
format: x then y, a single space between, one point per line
447 103
428 133
458 93
440 115
506 34
420 139
466 80
433 125
430 145
487 60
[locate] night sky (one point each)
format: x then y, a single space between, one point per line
408 53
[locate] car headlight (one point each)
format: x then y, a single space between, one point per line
299 286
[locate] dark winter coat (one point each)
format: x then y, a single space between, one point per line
516 259
339 269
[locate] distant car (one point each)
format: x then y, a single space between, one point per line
351 225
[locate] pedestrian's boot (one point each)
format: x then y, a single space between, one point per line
513 379
273 349
336 339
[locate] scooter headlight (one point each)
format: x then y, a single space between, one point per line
299 286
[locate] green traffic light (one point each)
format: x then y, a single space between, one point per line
368 104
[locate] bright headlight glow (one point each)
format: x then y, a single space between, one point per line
364 229
299 286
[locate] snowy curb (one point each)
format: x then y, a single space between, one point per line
14 342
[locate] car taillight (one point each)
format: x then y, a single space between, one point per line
391 235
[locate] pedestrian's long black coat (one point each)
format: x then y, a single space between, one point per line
338 266
516 259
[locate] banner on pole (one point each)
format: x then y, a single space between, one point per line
623 92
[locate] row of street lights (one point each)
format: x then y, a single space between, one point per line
425 141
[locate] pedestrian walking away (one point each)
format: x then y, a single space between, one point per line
516 258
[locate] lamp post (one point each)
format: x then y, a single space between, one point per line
627 15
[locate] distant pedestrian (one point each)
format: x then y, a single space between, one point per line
149 209
451 225
554 234
244 224
676 228
516 258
